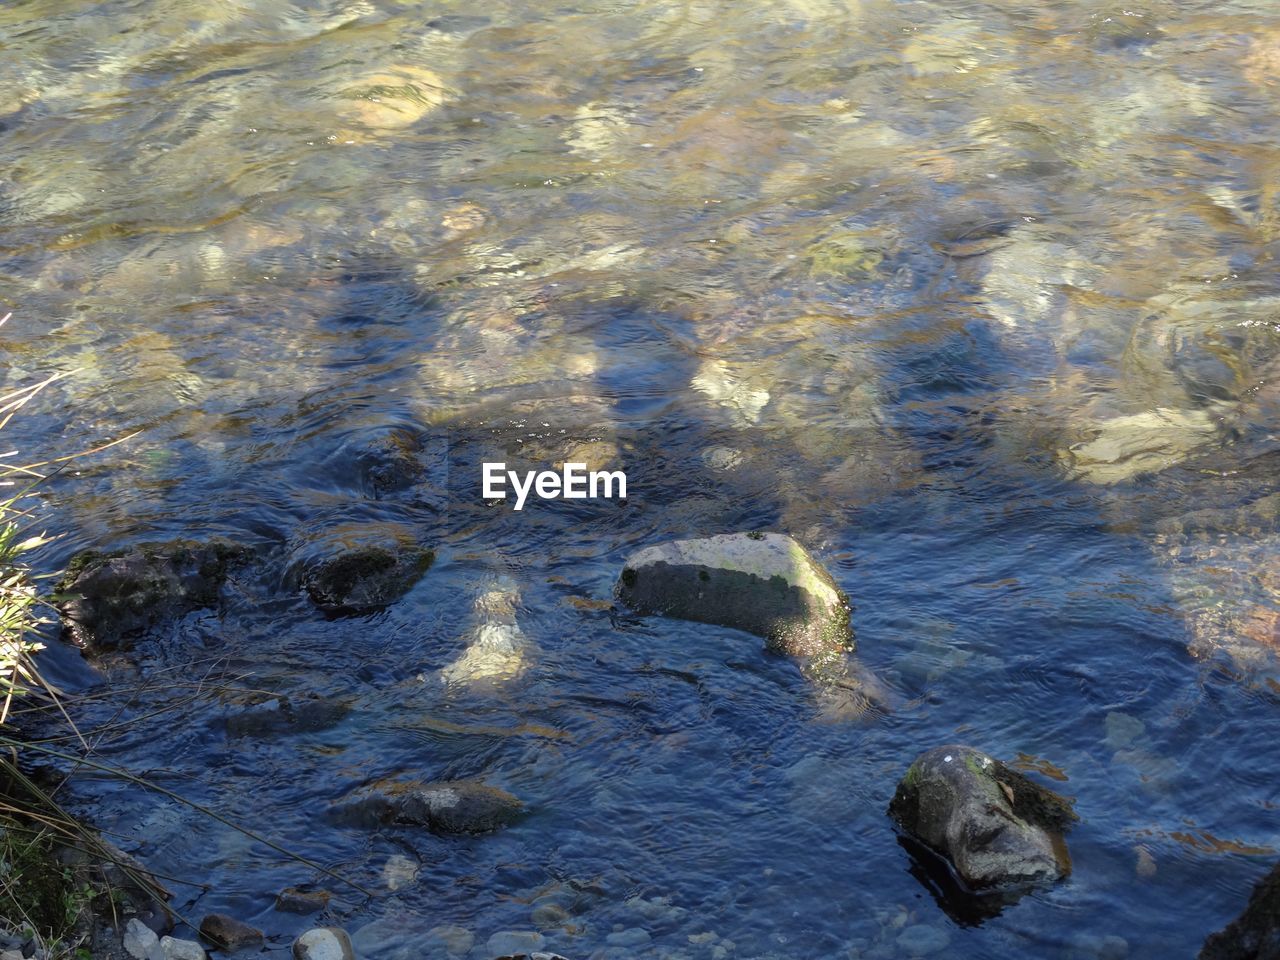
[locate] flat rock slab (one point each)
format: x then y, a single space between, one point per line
451 806
764 583
996 827
107 599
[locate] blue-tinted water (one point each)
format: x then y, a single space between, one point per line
974 300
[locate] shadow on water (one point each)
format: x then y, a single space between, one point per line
965 908
745 256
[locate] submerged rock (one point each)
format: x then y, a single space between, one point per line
228 933
286 715
454 806
764 583
1127 447
1255 934
354 569
497 649
106 599
293 900
996 827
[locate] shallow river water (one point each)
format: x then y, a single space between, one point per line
977 300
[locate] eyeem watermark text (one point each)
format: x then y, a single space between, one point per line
573 482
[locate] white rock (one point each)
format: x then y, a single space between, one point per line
323 943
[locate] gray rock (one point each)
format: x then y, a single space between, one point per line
323 943
1255 934
764 583
228 933
175 949
508 943
141 942
997 828
359 568
293 900
108 599
455 806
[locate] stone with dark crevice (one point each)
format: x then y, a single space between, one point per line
447 807
108 600
996 827
763 583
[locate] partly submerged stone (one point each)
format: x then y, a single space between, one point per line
452 806
359 568
996 827
394 98
228 933
323 943
108 599
1255 934
764 583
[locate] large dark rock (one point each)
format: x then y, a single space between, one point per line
997 828
1255 934
359 568
108 599
454 806
764 583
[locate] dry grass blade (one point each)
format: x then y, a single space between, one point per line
198 807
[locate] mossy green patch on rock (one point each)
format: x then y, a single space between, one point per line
108 598
998 828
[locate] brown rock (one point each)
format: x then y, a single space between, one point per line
228 933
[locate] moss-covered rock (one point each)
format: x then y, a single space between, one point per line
109 599
764 583
1255 934
355 568
995 826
